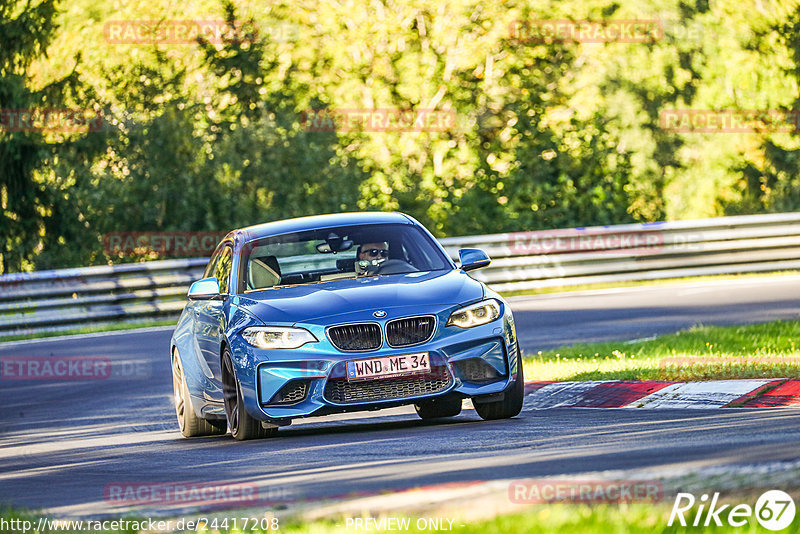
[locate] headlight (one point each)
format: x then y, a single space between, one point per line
475 315
277 337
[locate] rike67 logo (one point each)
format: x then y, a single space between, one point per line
774 510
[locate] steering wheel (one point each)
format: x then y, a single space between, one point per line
395 267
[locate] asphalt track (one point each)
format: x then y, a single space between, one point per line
62 443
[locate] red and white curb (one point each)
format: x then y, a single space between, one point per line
755 393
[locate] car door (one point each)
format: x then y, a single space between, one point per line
210 314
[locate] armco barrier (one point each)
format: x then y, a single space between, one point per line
68 298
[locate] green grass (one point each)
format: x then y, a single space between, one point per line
764 350
549 518
91 329
560 519
640 283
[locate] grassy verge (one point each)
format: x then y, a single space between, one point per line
640 283
128 325
553 518
549 518
764 350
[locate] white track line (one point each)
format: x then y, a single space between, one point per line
711 394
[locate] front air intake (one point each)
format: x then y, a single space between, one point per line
292 393
339 390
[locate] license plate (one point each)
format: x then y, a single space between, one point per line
388 366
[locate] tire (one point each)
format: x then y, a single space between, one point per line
511 404
447 406
190 424
243 426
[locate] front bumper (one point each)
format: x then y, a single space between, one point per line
281 385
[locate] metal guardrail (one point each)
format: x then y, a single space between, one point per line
650 251
70 298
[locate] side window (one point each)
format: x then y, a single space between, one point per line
222 269
209 272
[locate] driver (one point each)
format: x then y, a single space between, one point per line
370 255
373 251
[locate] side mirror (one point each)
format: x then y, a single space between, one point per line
473 258
207 288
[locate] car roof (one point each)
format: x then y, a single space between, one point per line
319 221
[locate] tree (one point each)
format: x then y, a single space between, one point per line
770 179
32 199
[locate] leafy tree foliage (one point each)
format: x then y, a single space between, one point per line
770 178
548 133
34 209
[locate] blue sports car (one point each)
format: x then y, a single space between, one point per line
338 313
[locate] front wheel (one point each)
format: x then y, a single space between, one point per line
511 404
191 426
242 425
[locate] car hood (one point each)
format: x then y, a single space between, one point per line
307 303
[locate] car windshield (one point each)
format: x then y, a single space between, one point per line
336 253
